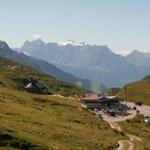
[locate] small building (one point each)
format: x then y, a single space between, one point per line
107 104
96 101
147 120
34 87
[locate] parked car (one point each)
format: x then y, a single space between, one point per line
112 113
147 120
139 103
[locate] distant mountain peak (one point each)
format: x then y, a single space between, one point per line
73 43
136 51
37 41
4 45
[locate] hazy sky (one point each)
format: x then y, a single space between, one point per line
120 24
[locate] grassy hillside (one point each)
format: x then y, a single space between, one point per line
137 91
41 122
29 121
113 91
13 75
138 128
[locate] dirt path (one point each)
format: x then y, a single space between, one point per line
128 144
57 95
113 122
114 125
123 144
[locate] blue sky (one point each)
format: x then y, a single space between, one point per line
123 25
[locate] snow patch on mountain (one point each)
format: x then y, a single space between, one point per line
73 43
26 53
123 53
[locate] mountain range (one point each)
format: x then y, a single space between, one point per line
139 58
43 66
91 62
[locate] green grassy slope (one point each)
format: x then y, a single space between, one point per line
12 75
137 91
29 121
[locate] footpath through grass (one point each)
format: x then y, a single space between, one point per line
138 128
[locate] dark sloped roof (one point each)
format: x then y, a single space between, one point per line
32 85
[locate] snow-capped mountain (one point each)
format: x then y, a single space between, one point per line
87 61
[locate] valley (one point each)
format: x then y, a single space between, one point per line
35 121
